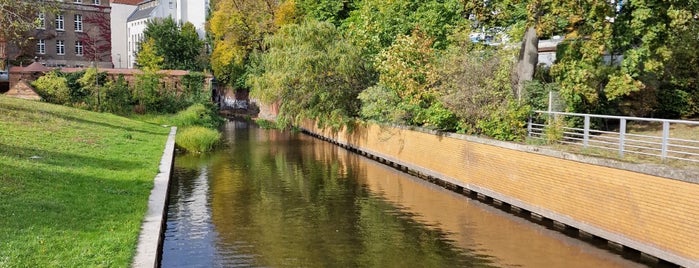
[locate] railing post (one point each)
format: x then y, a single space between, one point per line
586 130
529 127
666 137
622 136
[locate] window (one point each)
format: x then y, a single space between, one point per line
41 47
78 48
77 1
42 21
59 22
96 2
60 47
78 22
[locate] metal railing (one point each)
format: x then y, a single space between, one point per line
613 133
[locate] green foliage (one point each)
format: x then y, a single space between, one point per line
17 19
89 82
238 28
332 11
658 40
404 92
147 91
197 139
117 96
53 88
381 104
508 124
77 93
553 132
148 59
197 115
675 103
375 24
536 94
315 72
266 124
178 44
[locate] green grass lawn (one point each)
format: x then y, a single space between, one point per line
74 184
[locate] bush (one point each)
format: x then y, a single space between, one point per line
117 96
197 115
197 139
53 88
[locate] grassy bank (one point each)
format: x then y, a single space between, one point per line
74 185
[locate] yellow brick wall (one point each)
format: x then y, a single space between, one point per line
658 213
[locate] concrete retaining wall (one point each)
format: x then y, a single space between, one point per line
150 240
651 213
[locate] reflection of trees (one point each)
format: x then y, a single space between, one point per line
289 200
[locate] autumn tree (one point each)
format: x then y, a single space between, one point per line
147 89
658 40
314 71
405 92
237 28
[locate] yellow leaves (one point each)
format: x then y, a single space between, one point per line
147 58
285 14
621 85
679 18
226 54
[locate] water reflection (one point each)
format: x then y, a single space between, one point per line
277 199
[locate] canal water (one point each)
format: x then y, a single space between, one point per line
279 199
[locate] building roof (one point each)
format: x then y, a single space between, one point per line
35 67
127 2
142 12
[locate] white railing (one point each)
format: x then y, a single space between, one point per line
664 145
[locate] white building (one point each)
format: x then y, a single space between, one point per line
193 11
121 10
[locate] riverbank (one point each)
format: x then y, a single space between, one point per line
74 184
646 210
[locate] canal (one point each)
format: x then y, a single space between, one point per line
269 198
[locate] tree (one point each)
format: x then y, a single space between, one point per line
475 84
579 69
90 82
313 71
332 11
405 90
18 19
239 27
147 90
178 45
658 40
375 24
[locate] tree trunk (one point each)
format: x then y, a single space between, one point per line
528 59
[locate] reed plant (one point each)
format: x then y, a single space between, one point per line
197 139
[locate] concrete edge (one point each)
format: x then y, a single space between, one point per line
594 230
150 241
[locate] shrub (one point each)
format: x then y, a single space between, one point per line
53 88
197 115
197 139
117 96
